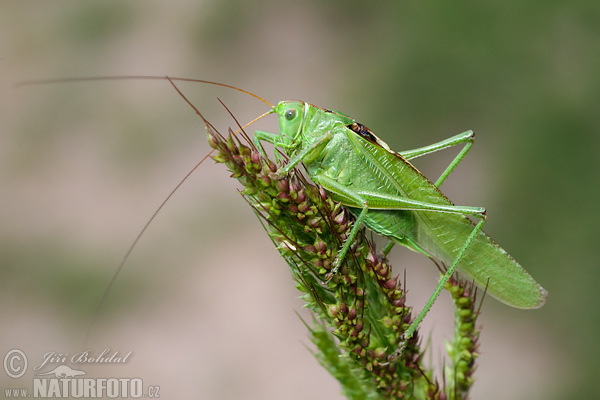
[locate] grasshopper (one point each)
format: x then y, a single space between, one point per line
387 194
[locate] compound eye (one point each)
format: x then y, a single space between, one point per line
290 114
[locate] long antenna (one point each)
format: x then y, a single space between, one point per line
134 77
202 116
132 246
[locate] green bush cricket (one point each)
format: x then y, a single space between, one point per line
387 194
391 197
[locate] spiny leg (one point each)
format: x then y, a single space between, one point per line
466 137
388 247
374 201
267 137
415 324
301 156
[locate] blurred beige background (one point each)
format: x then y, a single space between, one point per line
204 302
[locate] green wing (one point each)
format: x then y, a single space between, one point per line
441 235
